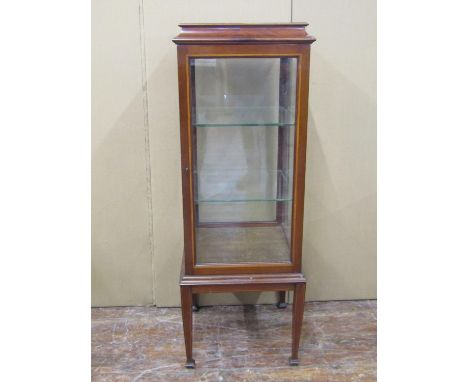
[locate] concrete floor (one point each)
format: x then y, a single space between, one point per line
236 343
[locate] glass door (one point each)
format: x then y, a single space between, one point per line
243 127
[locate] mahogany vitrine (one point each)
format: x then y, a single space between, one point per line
243 99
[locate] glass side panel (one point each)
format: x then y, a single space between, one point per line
243 126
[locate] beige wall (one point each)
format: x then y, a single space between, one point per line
121 246
136 166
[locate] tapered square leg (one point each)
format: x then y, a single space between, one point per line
187 301
281 304
298 314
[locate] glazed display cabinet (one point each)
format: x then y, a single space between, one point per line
243 98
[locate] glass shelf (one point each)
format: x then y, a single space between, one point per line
273 124
239 172
240 211
242 116
243 200
241 185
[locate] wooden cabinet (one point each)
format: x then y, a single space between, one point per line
243 98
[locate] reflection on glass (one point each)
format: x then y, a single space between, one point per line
243 124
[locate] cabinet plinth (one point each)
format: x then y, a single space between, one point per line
243 99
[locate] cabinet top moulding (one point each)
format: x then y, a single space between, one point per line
238 33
